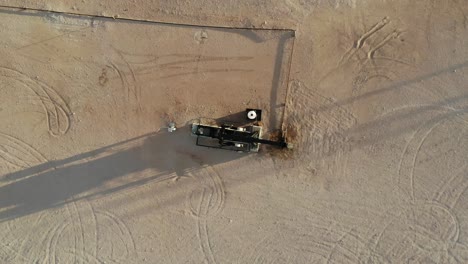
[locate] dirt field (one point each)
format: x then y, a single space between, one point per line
373 94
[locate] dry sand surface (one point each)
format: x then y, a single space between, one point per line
373 94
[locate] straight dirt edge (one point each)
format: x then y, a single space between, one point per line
28 9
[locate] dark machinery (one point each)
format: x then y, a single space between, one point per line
245 138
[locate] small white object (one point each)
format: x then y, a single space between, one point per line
171 127
252 115
241 129
238 145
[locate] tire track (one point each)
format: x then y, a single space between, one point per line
210 203
451 192
96 230
367 74
15 242
122 77
88 227
126 235
418 149
18 153
76 223
52 246
83 234
86 257
309 244
202 228
430 225
79 230
131 84
16 253
55 108
72 217
202 72
176 62
423 229
156 61
173 64
408 161
47 240
213 187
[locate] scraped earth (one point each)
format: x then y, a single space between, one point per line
373 94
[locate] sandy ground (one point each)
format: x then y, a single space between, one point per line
373 94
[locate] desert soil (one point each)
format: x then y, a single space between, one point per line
373 94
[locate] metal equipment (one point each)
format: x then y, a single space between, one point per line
243 138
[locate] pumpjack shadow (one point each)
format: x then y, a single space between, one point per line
128 164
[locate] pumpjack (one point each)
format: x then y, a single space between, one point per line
243 138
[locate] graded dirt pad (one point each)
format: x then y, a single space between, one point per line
374 98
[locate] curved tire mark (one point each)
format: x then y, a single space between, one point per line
126 235
19 153
407 163
55 108
211 202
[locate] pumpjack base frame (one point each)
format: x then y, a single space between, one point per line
227 137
